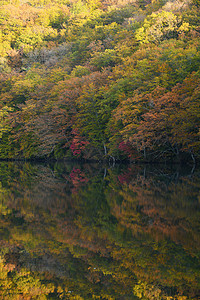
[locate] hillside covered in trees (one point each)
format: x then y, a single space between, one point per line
96 79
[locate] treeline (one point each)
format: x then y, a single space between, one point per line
100 80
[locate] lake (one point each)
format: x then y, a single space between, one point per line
87 231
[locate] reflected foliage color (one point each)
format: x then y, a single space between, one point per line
87 232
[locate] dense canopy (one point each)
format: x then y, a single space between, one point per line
99 79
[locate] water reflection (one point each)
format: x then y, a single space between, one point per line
87 232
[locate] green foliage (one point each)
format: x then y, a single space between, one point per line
160 26
79 65
105 59
4 126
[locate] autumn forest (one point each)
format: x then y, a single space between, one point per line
108 82
100 79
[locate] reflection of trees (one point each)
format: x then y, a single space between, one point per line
164 213
96 234
164 205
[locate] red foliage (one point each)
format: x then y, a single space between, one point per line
78 144
125 177
129 150
78 178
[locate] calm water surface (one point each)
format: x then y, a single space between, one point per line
87 232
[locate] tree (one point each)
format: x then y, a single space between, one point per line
160 26
93 110
164 121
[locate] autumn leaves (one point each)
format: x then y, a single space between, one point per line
122 82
